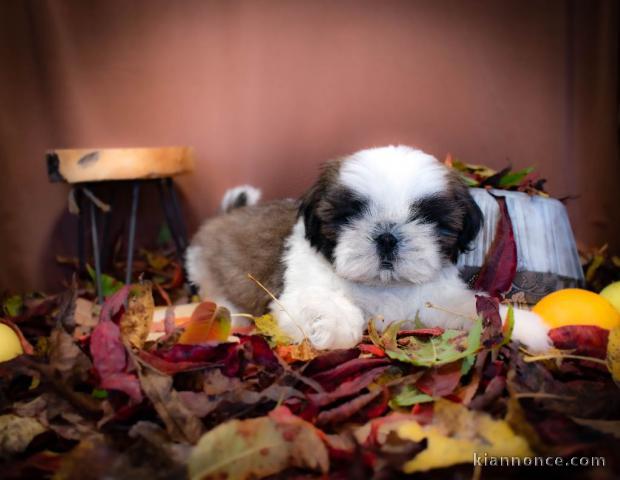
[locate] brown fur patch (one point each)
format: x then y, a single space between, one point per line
246 240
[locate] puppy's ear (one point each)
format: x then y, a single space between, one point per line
472 219
308 211
312 208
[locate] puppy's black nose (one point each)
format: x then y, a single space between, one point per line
386 245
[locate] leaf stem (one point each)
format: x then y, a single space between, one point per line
551 356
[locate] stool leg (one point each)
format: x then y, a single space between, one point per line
135 197
106 248
178 214
95 240
170 217
81 231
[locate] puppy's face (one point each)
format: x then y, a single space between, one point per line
389 215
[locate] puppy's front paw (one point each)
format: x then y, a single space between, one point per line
328 320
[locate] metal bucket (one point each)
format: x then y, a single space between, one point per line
547 257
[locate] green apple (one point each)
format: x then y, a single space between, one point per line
612 293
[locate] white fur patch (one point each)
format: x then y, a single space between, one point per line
231 198
392 177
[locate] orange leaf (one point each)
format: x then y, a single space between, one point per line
208 323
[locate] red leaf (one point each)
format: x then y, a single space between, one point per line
334 377
109 353
346 410
488 309
588 340
423 412
372 349
107 349
170 368
440 381
123 382
114 305
500 265
329 360
421 332
380 407
211 352
348 388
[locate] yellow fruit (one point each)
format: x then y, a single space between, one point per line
10 346
612 293
574 306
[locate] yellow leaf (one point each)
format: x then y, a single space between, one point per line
257 448
456 433
136 322
613 354
267 326
16 433
301 352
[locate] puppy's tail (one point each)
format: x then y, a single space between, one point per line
240 196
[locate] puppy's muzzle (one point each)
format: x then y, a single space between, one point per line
387 246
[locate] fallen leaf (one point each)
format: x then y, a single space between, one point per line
331 379
500 265
409 396
347 388
456 434
83 315
440 381
348 409
266 325
65 356
13 305
372 350
513 179
208 323
182 425
488 309
16 433
587 340
299 352
613 354
108 352
258 447
428 351
135 324
330 359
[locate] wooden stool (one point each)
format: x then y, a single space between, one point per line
86 167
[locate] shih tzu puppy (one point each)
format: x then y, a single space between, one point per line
377 236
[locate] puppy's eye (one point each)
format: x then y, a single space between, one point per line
342 206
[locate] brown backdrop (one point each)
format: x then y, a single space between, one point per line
266 90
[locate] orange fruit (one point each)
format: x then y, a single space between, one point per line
574 306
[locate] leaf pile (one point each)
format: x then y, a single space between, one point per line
480 176
600 266
95 400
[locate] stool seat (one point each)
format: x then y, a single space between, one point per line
104 164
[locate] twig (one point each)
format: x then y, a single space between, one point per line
551 356
451 312
273 297
543 395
